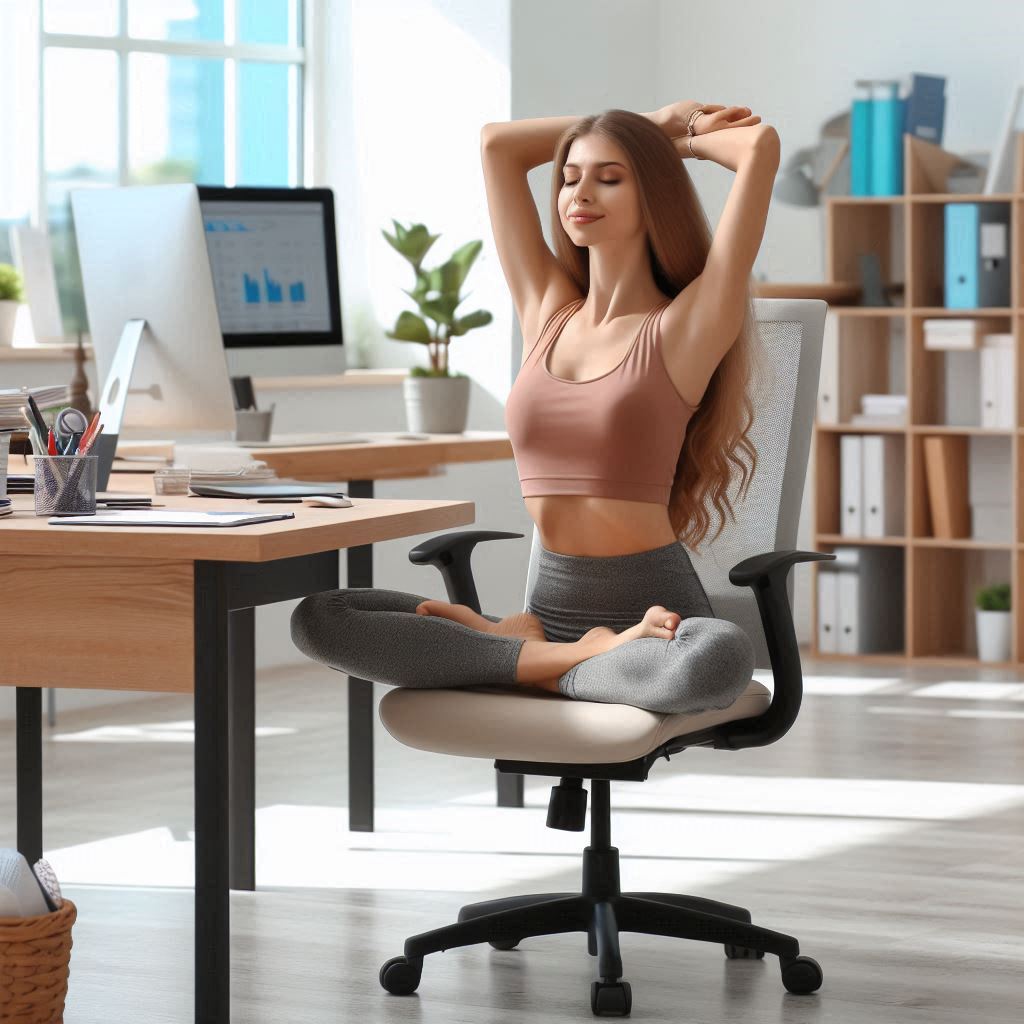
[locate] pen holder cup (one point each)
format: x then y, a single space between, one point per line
66 485
35 960
253 424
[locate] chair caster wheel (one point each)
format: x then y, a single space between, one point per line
801 975
743 953
611 998
504 943
400 977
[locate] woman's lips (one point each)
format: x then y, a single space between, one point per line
577 219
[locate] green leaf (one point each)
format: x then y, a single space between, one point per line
463 259
410 327
413 242
441 309
478 318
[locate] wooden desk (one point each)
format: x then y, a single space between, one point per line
383 457
170 609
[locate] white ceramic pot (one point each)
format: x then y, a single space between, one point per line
436 405
993 635
8 314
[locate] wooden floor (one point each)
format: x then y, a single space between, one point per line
884 832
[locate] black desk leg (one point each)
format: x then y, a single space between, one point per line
29 772
212 907
360 695
242 746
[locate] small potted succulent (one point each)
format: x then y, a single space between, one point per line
10 295
436 401
992 617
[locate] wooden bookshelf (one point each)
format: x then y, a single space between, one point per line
940 575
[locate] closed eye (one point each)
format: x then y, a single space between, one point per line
601 183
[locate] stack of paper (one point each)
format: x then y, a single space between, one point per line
247 472
956 333
12 400
881 409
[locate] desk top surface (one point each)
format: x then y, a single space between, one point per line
313 529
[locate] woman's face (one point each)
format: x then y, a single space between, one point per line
600 184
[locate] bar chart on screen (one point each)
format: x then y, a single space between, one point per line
268 266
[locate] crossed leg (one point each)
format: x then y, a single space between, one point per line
542 661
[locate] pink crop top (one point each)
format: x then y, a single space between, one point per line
614 436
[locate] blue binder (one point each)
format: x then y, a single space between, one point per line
887 143
860 148
977 263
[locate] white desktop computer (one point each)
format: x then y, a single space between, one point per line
183 285
143 256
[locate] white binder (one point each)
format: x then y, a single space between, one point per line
851 495
848 592
870 599
828 607
998 409
883 485
828 378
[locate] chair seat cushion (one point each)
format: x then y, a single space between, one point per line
526 724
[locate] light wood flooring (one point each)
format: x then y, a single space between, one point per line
885 832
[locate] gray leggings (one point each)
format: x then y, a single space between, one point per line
376 634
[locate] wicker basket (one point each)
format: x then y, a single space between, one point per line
35 955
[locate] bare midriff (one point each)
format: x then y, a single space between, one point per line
581 524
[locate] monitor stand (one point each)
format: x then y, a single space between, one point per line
113 397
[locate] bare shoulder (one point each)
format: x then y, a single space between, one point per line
532 318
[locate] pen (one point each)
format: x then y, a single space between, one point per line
51 443
37 416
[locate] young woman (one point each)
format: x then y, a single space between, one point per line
628 419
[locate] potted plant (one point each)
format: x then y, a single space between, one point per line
10 295
992 614
436 401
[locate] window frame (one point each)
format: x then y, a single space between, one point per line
124 45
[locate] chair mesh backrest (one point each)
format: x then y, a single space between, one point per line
766 518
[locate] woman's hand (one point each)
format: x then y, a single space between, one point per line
673 118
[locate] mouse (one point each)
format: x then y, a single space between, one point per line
327 501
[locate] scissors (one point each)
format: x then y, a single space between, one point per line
69 426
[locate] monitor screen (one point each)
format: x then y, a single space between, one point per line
274 263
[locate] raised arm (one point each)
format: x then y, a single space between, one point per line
704 319
508 149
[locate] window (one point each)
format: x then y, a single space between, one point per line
152 91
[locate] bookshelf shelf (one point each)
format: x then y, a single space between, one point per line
962 197
966 543
880 350
868 311
860 428
840 538
939 311
941 428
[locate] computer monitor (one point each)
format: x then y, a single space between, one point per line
143 256
274 258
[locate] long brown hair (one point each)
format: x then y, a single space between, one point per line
678 241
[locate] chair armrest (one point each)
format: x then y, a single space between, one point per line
451 552
766 575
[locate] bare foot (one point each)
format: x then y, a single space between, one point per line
658 622
523 625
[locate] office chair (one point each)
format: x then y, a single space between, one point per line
745 573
